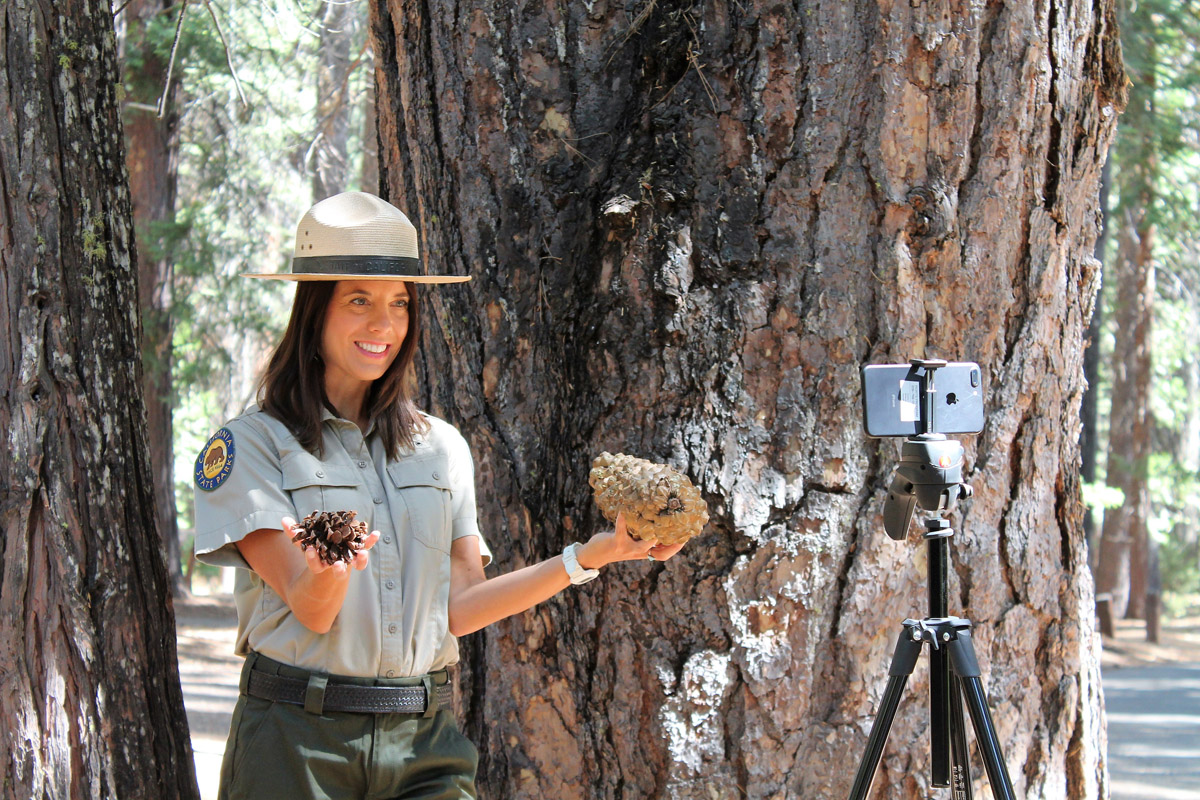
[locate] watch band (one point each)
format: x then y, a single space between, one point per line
575 572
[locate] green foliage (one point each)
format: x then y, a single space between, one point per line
1156 192
242 186
1097 495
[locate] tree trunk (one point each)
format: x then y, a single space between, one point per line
1124 529
152 158
369 178
689 226
1089 438
91 705
340 28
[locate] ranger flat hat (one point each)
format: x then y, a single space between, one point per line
356 236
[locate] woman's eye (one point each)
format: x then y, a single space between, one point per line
358 301
401 304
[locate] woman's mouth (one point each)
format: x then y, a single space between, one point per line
371 349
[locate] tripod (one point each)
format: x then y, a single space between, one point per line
930 472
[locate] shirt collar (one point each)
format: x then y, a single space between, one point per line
327 416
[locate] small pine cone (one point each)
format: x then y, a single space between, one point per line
335 535
659 502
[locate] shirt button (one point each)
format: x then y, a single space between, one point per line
436 476
391 584
362 465
378 500
391 673
387 540
320 473
391 628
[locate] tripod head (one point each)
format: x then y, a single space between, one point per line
903 400
929 475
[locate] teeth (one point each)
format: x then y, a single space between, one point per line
372 348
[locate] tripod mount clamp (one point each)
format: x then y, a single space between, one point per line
929 475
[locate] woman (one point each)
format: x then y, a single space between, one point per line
345 691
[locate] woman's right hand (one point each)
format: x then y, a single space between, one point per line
313 560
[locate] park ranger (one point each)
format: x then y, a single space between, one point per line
345 691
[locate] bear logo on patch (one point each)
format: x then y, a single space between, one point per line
215 461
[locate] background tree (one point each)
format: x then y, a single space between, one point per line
1153 278
91 705
152 156
690 225
339 53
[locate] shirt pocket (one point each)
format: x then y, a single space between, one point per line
316 485
424 486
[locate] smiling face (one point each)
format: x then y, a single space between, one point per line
365 324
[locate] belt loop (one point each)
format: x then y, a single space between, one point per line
314 695
431 700
247 668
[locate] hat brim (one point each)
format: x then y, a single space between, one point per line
317 276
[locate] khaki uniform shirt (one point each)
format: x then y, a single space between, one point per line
394 622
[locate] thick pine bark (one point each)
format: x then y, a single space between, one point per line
689 226
152 158
91 705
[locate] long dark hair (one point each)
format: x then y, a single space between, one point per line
293 387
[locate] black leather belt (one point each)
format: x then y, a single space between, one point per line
351 697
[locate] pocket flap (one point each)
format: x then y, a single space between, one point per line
303 469
428 471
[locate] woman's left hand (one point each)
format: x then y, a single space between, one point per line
608 547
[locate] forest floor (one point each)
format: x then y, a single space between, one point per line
207 626
1179 642
1152 705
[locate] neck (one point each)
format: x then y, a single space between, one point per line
348 401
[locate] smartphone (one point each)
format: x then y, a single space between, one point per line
894 398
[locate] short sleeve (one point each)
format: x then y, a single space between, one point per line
248 498
462 492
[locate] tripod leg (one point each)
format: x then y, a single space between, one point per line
939 717
903 661
960 779
962 656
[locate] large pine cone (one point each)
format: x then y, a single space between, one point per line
659 502
334 534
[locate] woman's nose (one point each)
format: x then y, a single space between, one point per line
379 320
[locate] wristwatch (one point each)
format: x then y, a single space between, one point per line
576 573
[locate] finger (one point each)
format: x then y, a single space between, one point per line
370 541
621 529
339 568
645 547
360 560
662 552
313 560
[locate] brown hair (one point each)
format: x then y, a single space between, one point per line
293 387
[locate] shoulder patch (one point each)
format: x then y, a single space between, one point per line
215 461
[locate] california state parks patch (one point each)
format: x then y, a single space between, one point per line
215 461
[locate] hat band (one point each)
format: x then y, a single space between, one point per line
400 266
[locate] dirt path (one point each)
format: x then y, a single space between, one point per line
1179 643
206 628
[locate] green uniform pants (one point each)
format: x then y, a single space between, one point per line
279 750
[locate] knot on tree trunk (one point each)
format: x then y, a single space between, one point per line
934 212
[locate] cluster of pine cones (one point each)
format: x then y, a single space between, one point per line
659 502
333 534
